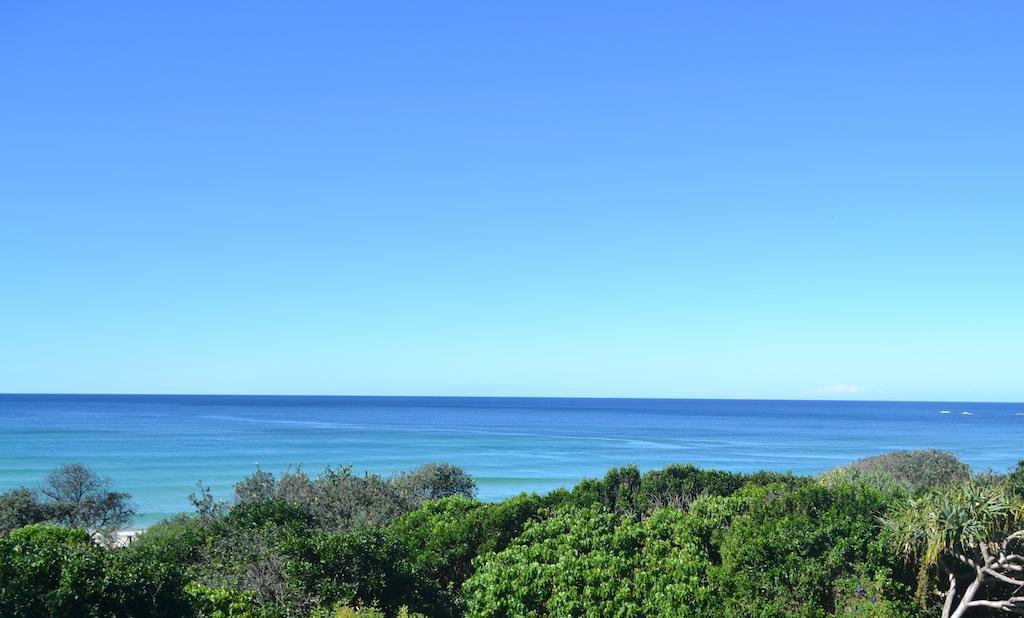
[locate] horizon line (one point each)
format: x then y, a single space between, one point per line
566 397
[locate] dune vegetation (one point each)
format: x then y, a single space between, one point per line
904 534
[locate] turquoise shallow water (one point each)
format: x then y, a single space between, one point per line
158 447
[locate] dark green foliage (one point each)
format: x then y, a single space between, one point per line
224 602
1015 480
257 487
919 469
73 496
419 561
966 541
787 548
283 544
370 567
251 515
620 490
767 477
433 481
144 584
244 551
79 498
340 501
443 537
337 499
625 491
47 571
867 594
21 507
679 485
177 540
588 562
778 549
680 541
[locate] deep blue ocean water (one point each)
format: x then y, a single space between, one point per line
158 447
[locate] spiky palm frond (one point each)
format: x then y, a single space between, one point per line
954 522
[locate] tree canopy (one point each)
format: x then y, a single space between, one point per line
857 542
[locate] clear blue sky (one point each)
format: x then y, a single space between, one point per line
678 199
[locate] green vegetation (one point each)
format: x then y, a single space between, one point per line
918 469
72 496
47 570
901 535
972 537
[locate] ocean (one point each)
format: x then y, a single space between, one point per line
157 448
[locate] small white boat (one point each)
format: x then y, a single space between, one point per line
967 413
944 412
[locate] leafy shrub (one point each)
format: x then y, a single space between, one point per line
72 495
1015 480
669 542
80 498
340 501
21 507
871 595
444 536
368 567
221 602
919 469
433 481
625 491
874 479
587 562
965 539
144 584
177 540
780 550
244 551
47 570
345 611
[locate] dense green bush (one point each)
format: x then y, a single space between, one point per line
245 551
47 570
587 562
774 549
21 507
1015 480
369 567
780 552
443 537
177 540
79 498
210 602
625 491
918 469
669 542
340 501
434 481
71 495
874 479
966 540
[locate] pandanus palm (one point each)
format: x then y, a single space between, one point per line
971 536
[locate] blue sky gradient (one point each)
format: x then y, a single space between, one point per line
783 200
